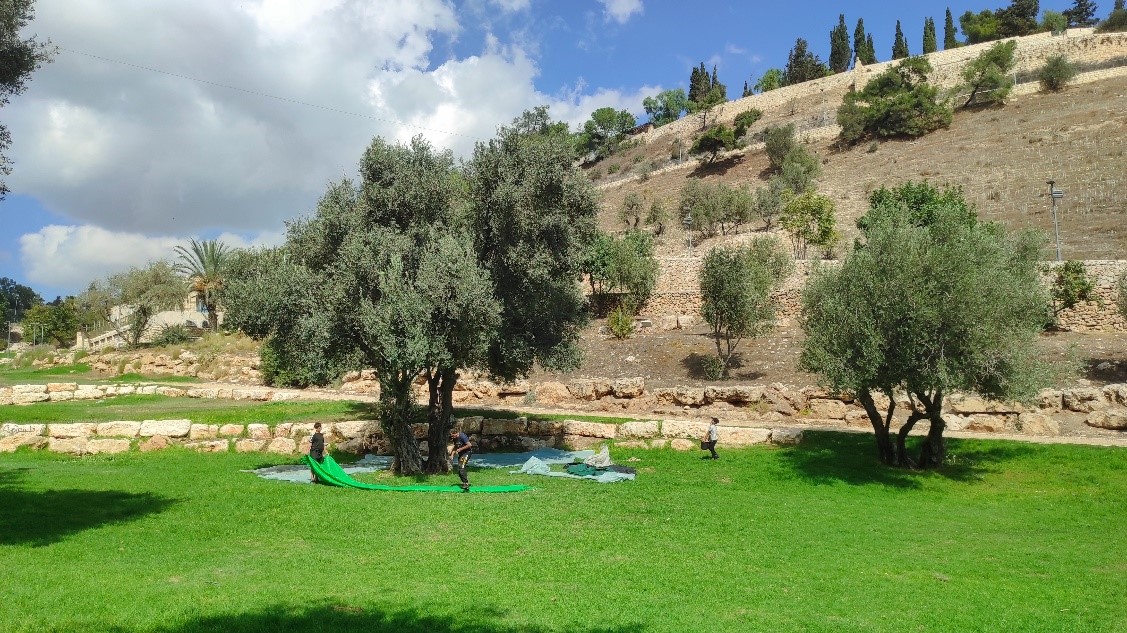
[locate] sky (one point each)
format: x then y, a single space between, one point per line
161 121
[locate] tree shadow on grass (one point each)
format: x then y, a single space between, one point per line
372 619
39 518
825 457
717 167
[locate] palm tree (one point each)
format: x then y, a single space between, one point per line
204 265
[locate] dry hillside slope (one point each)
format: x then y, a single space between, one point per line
1001 157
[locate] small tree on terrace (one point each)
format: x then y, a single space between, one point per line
772 79
840 53
809 220
1056 73
204 265
736 286
715 208
1071 285
803 65
931 303
1082 13
987 78
605 130
714 140
139 295
898 102
666 107
950 33
778 144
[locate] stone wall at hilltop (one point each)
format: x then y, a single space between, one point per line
678 293
1080 46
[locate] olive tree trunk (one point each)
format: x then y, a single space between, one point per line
440 412
395 420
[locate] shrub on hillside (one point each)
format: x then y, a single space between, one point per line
711 209
714 140
898 102
746 119
620 322
1056 73
987 79
172 335
1115 22
779 142
1071 286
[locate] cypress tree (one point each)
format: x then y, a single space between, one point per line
949 33
929 36
1082 13
900 46
839 46
870 50
859 41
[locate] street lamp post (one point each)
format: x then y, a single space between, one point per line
1056 194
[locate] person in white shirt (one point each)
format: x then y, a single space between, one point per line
708 442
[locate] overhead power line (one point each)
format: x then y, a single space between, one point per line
261 94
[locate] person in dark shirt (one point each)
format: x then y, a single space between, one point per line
316 448
460 455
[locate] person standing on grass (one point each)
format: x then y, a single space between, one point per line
711 436
316 448
460 455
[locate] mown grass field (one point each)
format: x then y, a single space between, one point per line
79 372
1009 537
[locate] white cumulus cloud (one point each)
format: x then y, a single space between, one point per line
621 10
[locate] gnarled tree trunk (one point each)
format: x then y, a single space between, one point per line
440 412
395 419
885 451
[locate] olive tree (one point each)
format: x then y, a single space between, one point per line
736 286
987 79
931 302
131 299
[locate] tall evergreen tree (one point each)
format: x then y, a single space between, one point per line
930 45
840 54
949 33
802 65
900 45
859 41
1119 5
747 91
870 50
1082 13
699 83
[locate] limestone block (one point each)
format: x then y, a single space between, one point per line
171 392
30 398
61 396
534 443
10 443
1084 400
580 442
350 376
543 428
224 394
84 393
120 428
472 424
629 387
282 446
70 445
590 429
631 444
28 389
53 387
552 393
659 443
230 430
663 395
582 389
249 445
1051 400
349 430
167 428
966 404
684 429
736 394
155 443
517 388
203 392
786 436
203 431
504 427
1037 424
1114 419
683 445
300 429
1115 394
743 436
283 429
208 446
259 431
285 396
991 423
305 443
146 390
9 428
251 394
602 388
367 374
827 409
638 430
688 396
107 446
125 390
75 429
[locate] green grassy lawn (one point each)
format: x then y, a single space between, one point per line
79 372
1009 537
206 411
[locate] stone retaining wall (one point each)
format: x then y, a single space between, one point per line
678 293
63 391
92 438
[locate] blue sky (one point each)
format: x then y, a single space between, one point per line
133 140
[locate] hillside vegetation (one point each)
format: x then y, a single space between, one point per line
1002 157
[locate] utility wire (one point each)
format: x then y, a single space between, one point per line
261 94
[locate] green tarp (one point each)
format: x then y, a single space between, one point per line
329 472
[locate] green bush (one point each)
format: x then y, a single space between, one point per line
746 119
172 335
620 322
1057 73
1121 295
712 368
897 102
1115 22
779 143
